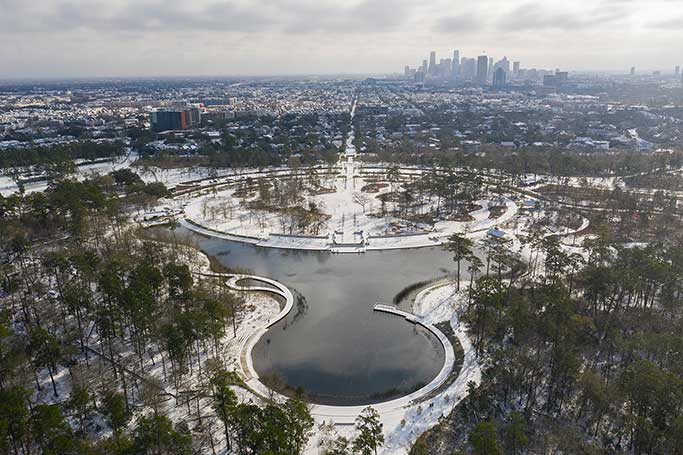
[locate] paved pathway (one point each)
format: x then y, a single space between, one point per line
351 242
404 418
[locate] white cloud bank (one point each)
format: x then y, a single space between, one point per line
54 38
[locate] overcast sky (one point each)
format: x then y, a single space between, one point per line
80 38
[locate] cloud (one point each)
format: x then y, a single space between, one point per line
172 16
79 37
668 24
537 16
293 16
460 23
368 16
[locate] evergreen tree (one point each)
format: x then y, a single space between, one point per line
369 432
461 247
484 439
156 435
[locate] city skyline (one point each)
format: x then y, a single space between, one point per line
487 70
293 37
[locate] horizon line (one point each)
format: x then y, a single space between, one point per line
641 72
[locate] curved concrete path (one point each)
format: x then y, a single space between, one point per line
404 418
407 241
403 429
338 414
245 361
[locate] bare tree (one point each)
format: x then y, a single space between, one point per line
361 199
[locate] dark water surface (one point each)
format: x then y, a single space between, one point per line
333 345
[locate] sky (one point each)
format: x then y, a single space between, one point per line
101 38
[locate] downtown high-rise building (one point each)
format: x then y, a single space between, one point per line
678 71
516 67
482 69
633 71
432 63
499 77
455 69
468 68
503 64
446 67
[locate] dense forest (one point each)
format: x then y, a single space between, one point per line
535 160
581 357
43 157
110 339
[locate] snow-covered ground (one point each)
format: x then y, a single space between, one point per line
263 231
355 227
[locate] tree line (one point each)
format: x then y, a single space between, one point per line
44 157
581 356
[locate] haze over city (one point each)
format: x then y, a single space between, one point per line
79 38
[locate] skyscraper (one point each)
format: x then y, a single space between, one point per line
455 70
499 77
633 71
468 68
432 62
482 69
516 66
506 65
445 67
678 71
